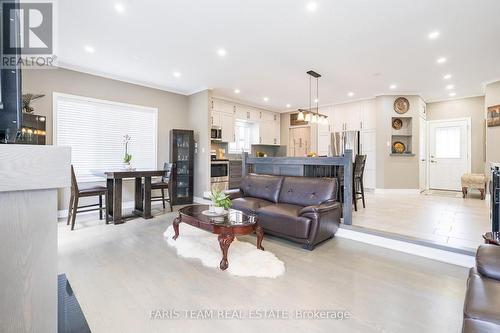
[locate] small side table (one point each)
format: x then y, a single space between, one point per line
492 238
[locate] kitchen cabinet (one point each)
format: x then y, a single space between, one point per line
299 141
216 120
368 117
227 127
222 106
266 133
354 116
269 129
277 129
247 113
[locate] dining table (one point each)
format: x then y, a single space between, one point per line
142 192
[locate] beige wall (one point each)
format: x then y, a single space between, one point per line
492 98
472 108
172 108
396 172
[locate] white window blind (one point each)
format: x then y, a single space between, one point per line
95 130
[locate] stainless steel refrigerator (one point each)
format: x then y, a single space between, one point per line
341 141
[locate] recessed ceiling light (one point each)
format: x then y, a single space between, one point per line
119 7
312 6
393 86
177 74
236 91
350 94
221 52
441 60
449 87
288 106
266 99
89 49
434 35
447 77
453 94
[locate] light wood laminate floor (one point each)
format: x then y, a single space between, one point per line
438 216
122 273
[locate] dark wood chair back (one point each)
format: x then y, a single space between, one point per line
359 166
74 183
168 173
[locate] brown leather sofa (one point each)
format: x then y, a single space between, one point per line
482 299
300 209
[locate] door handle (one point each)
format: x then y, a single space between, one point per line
423 160
432 161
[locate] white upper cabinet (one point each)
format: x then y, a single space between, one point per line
247 113
368 115
216 118
224 114
222 106
227 127
354 116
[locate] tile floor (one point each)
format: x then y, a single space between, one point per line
437 216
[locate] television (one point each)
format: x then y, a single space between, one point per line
10 76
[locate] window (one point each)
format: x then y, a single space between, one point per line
94 129
448 142
244 137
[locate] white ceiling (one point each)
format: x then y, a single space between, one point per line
362 46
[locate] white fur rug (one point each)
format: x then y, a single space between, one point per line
244 258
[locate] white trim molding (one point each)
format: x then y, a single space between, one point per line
449 257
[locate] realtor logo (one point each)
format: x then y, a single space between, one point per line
28 34
27 28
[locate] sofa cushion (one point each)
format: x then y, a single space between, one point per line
479 326
249 205
305 191
262 187
488 261
482 300
284 219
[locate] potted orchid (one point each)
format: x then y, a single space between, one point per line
220 201
127 157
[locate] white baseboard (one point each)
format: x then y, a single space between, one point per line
410 248
125 205
397 191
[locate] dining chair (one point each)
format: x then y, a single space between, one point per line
77 193
163 184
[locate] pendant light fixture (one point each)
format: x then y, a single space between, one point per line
312 114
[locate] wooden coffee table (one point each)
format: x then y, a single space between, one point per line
234 223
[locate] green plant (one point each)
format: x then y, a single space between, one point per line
127 158
219 199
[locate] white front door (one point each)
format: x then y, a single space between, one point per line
422 155
449 153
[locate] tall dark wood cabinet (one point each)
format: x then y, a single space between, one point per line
182 159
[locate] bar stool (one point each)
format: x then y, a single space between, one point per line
358 188
77 193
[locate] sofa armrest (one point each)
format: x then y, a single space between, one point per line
233 194
488 261
321 208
